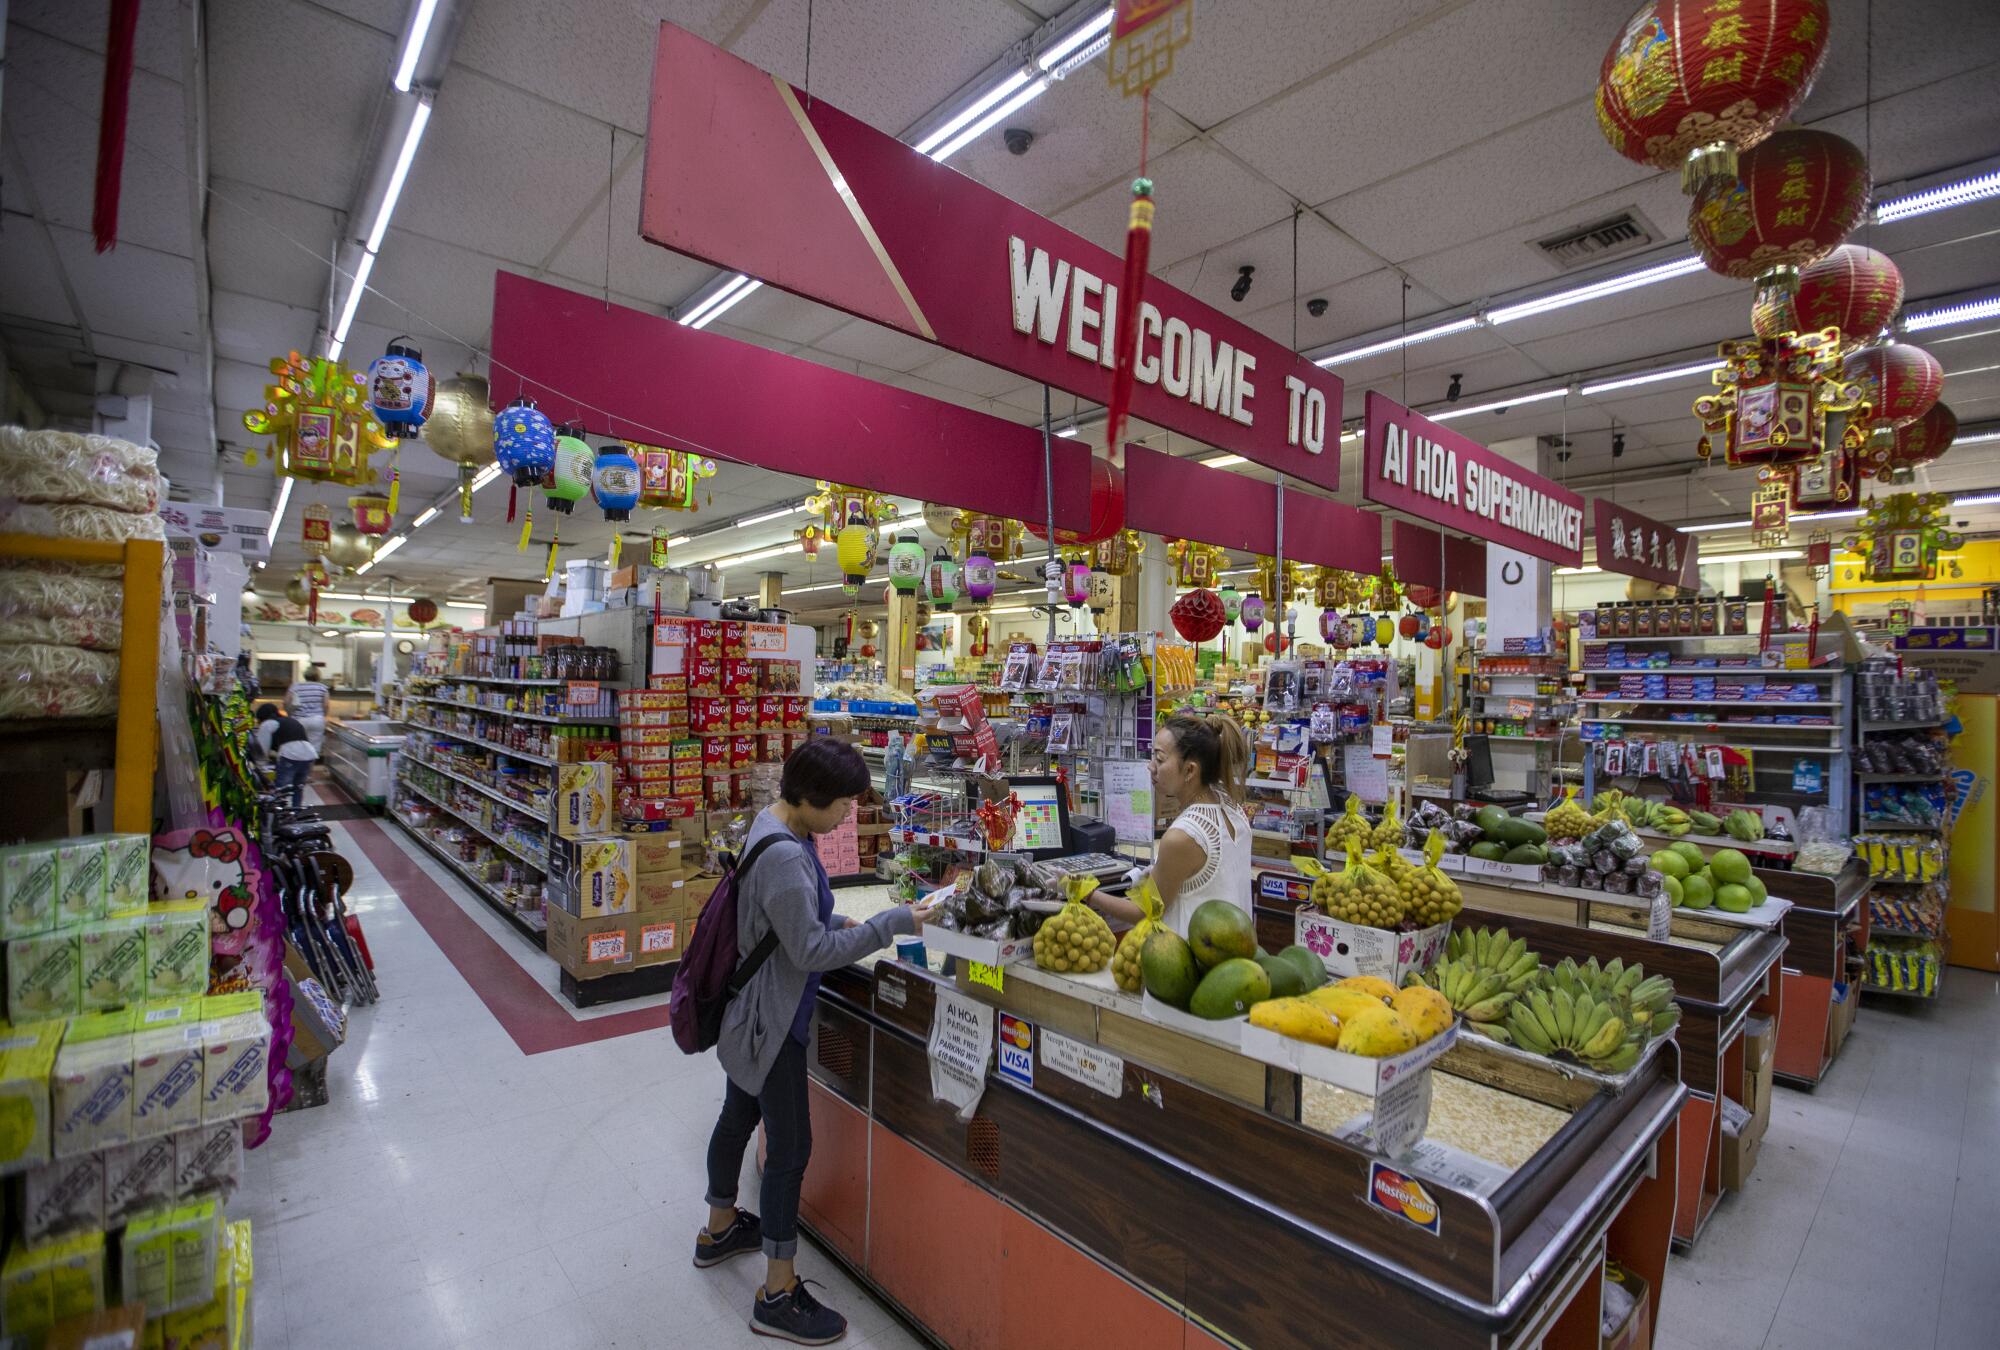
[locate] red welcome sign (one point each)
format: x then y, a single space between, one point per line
1414 465
1639 546
740 171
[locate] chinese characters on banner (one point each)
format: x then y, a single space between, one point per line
1639 546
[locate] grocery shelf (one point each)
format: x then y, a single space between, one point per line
494 746
517 716
535 932
1917 994
538 862
1876 930
526 808
1899 777
1710 702
1761 672
1770 847
1711 726
487 679
1899 826
1901 726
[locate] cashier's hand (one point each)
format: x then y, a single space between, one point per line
922 912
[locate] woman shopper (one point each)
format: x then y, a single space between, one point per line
283 741
765 1030
1200 761
307 701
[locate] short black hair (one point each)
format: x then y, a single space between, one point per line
823 770
267 711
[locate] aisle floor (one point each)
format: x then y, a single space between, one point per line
457 1191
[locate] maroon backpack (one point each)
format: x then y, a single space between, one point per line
709 975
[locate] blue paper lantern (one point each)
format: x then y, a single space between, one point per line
401 390
615 481
524 442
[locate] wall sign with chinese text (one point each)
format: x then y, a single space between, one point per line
1639 546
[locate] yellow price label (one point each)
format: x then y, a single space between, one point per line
977 972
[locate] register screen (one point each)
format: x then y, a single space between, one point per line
1039 825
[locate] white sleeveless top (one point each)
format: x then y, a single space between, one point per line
1226 874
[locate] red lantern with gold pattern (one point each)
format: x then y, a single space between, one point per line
1107 507
1691 84
423 610
1854 289
1197 616
1796 197
1918 444
1899 383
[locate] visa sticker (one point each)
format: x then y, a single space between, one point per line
1016 1061
1402 1195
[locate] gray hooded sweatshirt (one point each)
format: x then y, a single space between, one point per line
781 893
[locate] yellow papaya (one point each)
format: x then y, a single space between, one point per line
1368 984
1426 1010
1377 1032
1299 1018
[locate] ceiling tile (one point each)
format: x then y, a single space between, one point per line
34 289
638 267
860 340
1086 138
1905 50
130 291
969 376
156 44
267 244
1207 201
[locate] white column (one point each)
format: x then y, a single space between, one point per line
1520 607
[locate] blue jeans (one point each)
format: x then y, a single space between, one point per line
787 1118
292 773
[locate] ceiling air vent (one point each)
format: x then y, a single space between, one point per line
1626 232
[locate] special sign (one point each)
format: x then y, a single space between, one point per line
1414 465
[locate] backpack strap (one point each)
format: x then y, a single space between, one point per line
767 944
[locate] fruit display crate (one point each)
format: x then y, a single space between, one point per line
1555 1081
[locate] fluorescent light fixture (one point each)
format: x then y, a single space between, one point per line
485 476
399 174
329 632
1005 89
1068 432
724 300
1401 340
769 516
464 604
1761 555
1222 461
1588 569
1083 36
1649 377
413 45
1983 499
1831 515
1539 396
1978 438
1596 290
992 119
389 545
1082 56
430 514
759 555
1013 609
1976 188
678 540
1963 311
359 284
278 511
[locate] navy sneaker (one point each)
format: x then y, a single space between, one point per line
796 1316
743 1236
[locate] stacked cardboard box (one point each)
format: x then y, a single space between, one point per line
653 929
1745 1122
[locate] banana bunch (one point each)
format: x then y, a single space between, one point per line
1482 974
1579 1029
1670 821
1704 823
1605 802
1746 826
1646 1002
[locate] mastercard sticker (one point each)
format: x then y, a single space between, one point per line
1402 1195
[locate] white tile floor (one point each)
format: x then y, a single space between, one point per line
457 1193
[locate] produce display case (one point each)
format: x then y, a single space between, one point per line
361 757
1722 969
1152 1188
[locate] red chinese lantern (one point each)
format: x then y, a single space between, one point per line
1424 597
868 651
1107 507
423 610
1795 198
1197 616
1899 383
1273 643
1692 84
1918 444
371 514
1854 289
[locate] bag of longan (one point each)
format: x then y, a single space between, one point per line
1075 940
1125 962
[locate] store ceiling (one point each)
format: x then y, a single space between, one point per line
1429 142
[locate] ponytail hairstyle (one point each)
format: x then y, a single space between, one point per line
1217 747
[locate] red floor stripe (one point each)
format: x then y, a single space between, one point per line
529 1013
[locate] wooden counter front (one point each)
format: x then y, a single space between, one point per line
1180 1212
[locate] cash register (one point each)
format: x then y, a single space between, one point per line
1072 845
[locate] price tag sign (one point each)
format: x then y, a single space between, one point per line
582 694
1402 1111
978 972
670 633
1661 920
1384 744
764 640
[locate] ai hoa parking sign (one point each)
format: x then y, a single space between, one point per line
1416 466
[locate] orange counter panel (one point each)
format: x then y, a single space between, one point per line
834 1197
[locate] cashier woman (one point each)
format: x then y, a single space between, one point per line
1199 761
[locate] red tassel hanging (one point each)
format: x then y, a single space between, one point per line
1131 289
312 607
512 492
118 50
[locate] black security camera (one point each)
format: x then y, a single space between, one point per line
1241 290
1457 387
1316 306
1018 139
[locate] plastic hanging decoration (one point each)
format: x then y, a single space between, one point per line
669 479
1252 613
317 414
372 514
1232 601
906 563
401 390
614 481
569 480
524 441
1076 583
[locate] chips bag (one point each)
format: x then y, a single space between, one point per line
1125 962
1351 827
1075 940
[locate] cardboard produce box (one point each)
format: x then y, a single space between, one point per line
591 878
611 944
1634 1330
1760 1066
657 852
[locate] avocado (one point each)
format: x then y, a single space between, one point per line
1230 989
1487 850
1286 978
1527 855
1515 831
